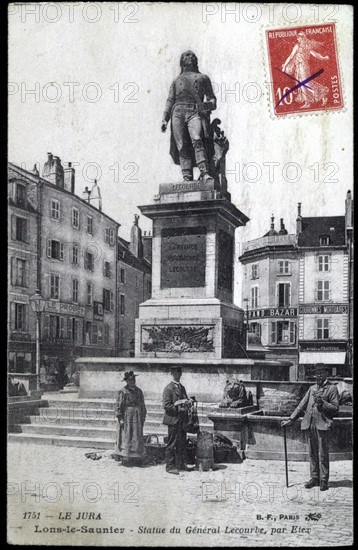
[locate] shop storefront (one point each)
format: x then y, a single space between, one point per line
332 354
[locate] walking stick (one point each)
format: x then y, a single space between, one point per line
285 447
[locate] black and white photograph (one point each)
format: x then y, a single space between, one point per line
180 274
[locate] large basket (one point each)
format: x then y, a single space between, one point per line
153 448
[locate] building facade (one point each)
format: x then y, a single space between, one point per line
298 291
270 292
23 225
134 286
75 255
324 289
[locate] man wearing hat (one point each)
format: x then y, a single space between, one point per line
130 412
175 403
321 404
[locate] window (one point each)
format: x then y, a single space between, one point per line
107 300
54 250
54 287
75 255
20 316
20 194
106 334
99 334
109 236
324 240
89 294
122 275
88 333
323 291
75 218
75 291
57 328
149 286
21 229
122 305
107 272
89 261
324 262
322 329
90 225
254 296
283 332
255 328
255 271
20 273
55 209
94 334
284 267
72 329
283 294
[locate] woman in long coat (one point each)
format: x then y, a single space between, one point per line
130 413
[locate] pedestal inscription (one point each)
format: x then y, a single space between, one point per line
183 257
182 338
226 260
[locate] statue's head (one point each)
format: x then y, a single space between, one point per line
188 60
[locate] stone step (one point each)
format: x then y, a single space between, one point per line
67 441
96 422
95 414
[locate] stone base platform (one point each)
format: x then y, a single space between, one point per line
206 379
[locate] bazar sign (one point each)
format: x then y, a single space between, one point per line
323 308
62 307
273 312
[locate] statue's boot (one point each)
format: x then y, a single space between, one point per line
187 175
204 173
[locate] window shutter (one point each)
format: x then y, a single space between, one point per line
59 288
104 299
12 316
13 270
49 246
46 326
62 327
26 321
104 268
292 332
111 300
26 267
13 227
27 232
61 251
274 332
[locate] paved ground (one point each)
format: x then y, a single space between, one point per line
237 505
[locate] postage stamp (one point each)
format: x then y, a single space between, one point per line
304 69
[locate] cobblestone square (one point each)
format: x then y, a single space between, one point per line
57 496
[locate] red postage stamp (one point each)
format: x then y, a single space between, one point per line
304 69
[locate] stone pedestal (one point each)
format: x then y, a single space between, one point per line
191 312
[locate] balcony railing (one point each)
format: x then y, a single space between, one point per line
270 240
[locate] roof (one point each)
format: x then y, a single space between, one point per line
36 178
314 228
138 263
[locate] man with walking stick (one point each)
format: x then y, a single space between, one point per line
320 405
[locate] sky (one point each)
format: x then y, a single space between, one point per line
88 82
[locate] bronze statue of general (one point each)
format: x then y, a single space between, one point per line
190 102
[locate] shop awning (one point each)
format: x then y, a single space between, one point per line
327 357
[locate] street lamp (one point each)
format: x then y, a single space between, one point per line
247 322
38 304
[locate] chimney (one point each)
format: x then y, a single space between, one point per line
86 194
272 226
96 199
349 211
69 178
53 170
283 230
35 170
299 220
147 246
136 245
